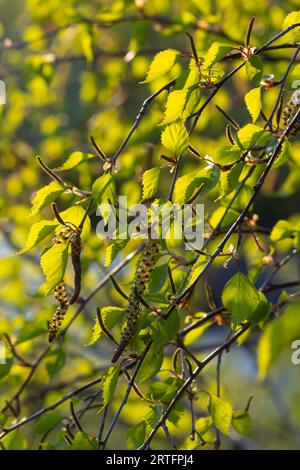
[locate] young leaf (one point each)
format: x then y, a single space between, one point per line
195 271
167 329
186 185
262 310
135 435
110 316
38 232
104 189
282 230
109 383
253 103
215 53
176 414
48 421
45 196
161 64
254 68
278 335
175 138
175 105
289 20
154 414
242 422
15 441
54 263
240 297
202 425
74 160
113 249
152 363
150 182
229 179
84 441
249 135
192 102
221 413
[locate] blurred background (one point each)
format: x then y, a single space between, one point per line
83 80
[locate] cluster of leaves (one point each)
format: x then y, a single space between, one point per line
198 153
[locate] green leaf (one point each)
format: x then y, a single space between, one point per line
203 425
175 105
38 232
242 422
45 196
262 310
15 441
150 182
255 68
157 279
175 138
188 184
55 362
154 414
192 102
249 135
167 329
110 317
290 19
113 249
5 368
48 421
161 64
284 155
176 414
83 441
135 436
282 230
30 331
104 190
215 53
253 103
278 336
195 271
152 363
240 297
54 262
229 179
74 160
109 383
221 413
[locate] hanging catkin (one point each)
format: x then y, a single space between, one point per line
144 269
289 112
62 298
60 293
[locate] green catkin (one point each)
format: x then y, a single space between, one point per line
59 315
66 234
289 112
144 269
60 293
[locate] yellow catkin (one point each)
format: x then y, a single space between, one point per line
144 269
59 315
